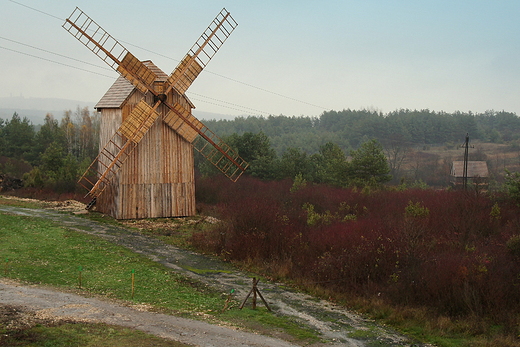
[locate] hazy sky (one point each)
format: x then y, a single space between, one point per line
285 57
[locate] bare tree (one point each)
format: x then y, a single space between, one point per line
396 152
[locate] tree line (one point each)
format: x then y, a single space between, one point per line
349 128
340 148
52 155
364 166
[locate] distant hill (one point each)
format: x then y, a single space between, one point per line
35 109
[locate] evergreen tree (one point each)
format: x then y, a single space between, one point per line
257 151
330 165
18 138
2 139
368 165
49 132
295 162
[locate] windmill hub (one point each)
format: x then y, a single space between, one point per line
160 97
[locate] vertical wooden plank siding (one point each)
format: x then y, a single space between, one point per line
157 179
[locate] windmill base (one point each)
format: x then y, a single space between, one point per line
137 201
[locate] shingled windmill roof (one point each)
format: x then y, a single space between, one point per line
119 92
116 95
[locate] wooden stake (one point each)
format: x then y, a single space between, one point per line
6 266
133 283
228 300
255 292
80 271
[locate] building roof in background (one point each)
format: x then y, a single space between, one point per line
475 169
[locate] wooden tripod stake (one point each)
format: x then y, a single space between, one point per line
255 292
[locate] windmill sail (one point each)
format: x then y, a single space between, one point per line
202 51
101 43
132 130
111 158
205 142
181 120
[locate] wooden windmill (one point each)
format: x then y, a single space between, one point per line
146 168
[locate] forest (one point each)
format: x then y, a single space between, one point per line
52 155
331 148
349 128
419 145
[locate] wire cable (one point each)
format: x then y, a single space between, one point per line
231 79
57 54
216 102
230 105
55 62
35 9
158 54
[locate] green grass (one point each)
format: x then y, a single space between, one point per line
86 335
20 203
37 250
260 318
204 271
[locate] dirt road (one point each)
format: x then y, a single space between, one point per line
335 324
51 304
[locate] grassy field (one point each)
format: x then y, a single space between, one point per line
86 335
39 251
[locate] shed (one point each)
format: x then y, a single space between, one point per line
478 173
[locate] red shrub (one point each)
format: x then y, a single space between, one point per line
442 249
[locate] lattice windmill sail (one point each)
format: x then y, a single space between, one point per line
153 95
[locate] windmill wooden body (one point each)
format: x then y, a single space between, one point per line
145 168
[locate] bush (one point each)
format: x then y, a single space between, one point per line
443 250
513 244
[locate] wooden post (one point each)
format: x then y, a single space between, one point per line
228 300
255 289
133 283
80 271
255 292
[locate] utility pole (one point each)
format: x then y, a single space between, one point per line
465 170
465 164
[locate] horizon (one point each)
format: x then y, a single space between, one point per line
37 114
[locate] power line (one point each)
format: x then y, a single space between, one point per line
57 54
230 79
35 9
216 102
55 62
267 91
231 105
164 56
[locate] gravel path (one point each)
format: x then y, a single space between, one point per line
49 304
335 324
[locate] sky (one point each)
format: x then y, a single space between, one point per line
286 57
